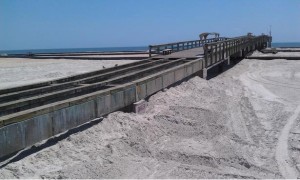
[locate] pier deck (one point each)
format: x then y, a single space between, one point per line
189 54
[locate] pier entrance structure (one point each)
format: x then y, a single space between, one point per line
203 36
35 112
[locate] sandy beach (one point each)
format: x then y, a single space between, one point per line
19 71
218 84
280 54
244 123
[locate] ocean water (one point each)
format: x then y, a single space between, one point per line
112 49
72 50
286 44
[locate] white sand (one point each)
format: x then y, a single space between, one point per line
281 54
297 49
112 56
19 71
228 127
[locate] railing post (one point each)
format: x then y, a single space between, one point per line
235 47
223 50
216 53
150 51
205 48
231 47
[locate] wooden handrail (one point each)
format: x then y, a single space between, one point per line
182 45
218 51
227 43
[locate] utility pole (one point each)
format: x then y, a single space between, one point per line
270 38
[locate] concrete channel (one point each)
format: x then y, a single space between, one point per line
83 86
32 113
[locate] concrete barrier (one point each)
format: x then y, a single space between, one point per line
140 107
168 79
25 128
37 129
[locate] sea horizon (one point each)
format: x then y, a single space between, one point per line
73 50
114 49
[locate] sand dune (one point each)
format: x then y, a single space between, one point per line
228 127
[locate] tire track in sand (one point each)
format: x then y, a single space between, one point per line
285 165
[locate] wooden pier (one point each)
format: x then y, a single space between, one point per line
35 112
212 51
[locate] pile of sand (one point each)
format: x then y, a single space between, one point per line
20 71
242 124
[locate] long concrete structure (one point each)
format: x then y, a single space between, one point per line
136 55
32 113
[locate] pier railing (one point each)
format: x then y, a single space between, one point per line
220 50
180 46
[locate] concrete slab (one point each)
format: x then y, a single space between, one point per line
37 129
117 100
14 138
103 105
2 141
168 79
189 70
63 119
129 95
141 90
140 106
179 74
204 75
197 66
85 112
158 84
151 87
73 116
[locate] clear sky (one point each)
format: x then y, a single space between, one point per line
42 24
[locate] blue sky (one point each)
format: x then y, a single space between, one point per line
42 24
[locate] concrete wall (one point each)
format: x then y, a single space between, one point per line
23 129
